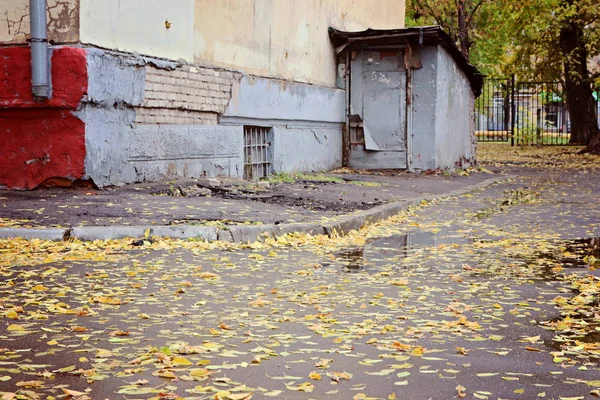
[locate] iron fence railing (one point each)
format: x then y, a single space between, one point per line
524 112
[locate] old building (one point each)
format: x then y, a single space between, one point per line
150 90
410 96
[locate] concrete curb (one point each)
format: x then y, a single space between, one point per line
346 223
240 233
32 233
89 233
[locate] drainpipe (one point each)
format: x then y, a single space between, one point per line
39 50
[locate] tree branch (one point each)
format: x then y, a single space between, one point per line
474 12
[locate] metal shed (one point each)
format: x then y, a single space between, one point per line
409 99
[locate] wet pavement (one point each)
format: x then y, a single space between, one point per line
492 295
308 199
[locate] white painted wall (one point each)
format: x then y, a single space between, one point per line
285 39
139 26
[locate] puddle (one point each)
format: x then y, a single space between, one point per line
578 253
355 259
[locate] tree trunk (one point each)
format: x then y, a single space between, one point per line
594 146
578 85
463 28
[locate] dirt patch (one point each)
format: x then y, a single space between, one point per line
281 194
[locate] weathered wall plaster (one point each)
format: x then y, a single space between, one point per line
307 120
158 28
63 21
424 115
285 101
307 148
455 131
41 140
119 150
284 38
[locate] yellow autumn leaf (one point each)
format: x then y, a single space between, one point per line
181 362
417 351
315 376
532 339
200 372
73 393
240 396
15 328
30 384
11 314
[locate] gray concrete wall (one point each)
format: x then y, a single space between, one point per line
306 148
307 120
119 151
441 123
121 148
455 143
424 112
265 98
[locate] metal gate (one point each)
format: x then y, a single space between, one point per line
493 111
378 120
258 157
524 113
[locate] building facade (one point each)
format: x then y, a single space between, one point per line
144 90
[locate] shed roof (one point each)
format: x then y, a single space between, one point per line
422 35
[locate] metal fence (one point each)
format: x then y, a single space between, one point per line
524 113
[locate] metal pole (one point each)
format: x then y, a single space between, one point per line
513 111
39 50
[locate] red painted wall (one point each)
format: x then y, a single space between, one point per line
43 140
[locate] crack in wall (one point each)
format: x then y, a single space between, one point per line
63 21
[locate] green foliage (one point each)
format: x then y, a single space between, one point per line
485 28
514 36
526 131
284 177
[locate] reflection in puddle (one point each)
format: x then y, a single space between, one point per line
396 246
579 253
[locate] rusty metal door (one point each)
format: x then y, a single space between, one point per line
379 98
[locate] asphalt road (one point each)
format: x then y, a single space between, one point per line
461 298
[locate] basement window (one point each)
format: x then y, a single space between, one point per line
258 157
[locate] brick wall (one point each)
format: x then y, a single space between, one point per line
186 95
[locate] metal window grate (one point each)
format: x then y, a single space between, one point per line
257 152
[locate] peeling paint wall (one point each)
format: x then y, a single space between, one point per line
455 130
124 148
63 21
158 28
284 38
424 116
41 140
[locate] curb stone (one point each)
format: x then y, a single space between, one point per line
89 233
346 223
31 233
341 225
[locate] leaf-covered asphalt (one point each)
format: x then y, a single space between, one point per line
483 296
